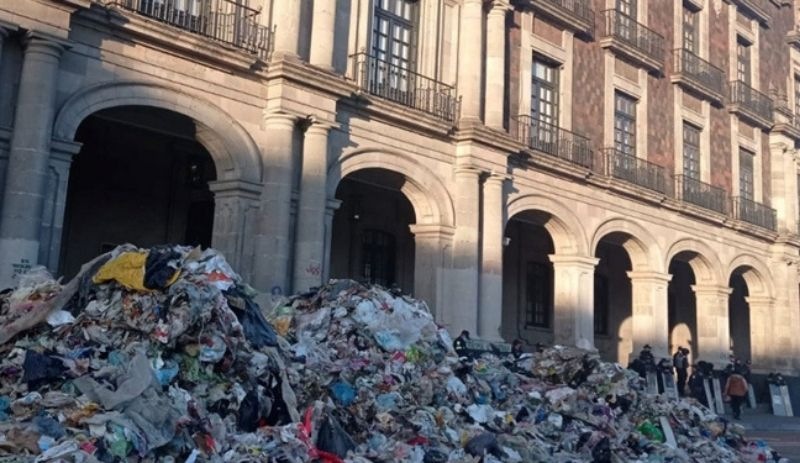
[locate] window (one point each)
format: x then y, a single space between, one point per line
539 282
393 32
691 151
601 308
743 60
746 179
544 105
625 124
377 257
796 94
690 30
625 24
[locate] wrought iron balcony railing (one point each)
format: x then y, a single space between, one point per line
227 21
751 101
701 194
625 29
755 213
703 75
408 88
635 170
555 141
580 11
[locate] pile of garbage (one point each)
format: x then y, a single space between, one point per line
163 355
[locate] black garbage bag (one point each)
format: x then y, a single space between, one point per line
258 331
40 369
483 444
601 453
334 439
435 456
249 412
160 267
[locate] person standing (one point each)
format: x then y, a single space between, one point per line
736 389
460 344
681 363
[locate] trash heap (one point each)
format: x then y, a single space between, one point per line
163 355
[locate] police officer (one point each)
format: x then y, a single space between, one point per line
460 344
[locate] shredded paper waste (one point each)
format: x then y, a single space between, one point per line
162 355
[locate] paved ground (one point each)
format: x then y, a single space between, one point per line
780 433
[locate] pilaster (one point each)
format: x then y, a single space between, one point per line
309 243
490 314
713 323
322 34
470 44
235 218
55 202
271 267
29 157
650 314
573 299
496 63
286 19
431 257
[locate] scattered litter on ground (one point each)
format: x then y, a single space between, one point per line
163 355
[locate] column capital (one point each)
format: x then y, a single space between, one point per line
711 290
318 126
652 277
497 178
36 42
241 188
500 7
573 261
759 301
277 118
431 230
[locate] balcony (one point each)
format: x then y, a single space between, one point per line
397 84
698 76
224 21
633 41
554 141
635 170
575 14
701 194
750 104
754 213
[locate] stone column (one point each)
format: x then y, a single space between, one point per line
713 325
55 203
496 63
573 300
286 18
29 157
650 312
235 219
322 34
463 300
271 265
309 243
763 348
490 316
470 59
331 207
430 242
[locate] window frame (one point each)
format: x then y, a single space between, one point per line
625 123
744 60
372 250
746 180
692 136
691 30
386 53
539 85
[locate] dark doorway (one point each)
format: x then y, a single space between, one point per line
140 178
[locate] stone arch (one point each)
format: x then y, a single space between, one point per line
235 154
702 259
563 225
756 274
431 201
642 248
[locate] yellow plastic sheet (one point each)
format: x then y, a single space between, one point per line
128 270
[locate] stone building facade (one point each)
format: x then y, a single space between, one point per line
596 172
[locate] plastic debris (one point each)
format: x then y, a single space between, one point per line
165 356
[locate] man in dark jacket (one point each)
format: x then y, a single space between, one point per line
460 344
681 363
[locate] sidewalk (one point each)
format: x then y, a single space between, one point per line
762 420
